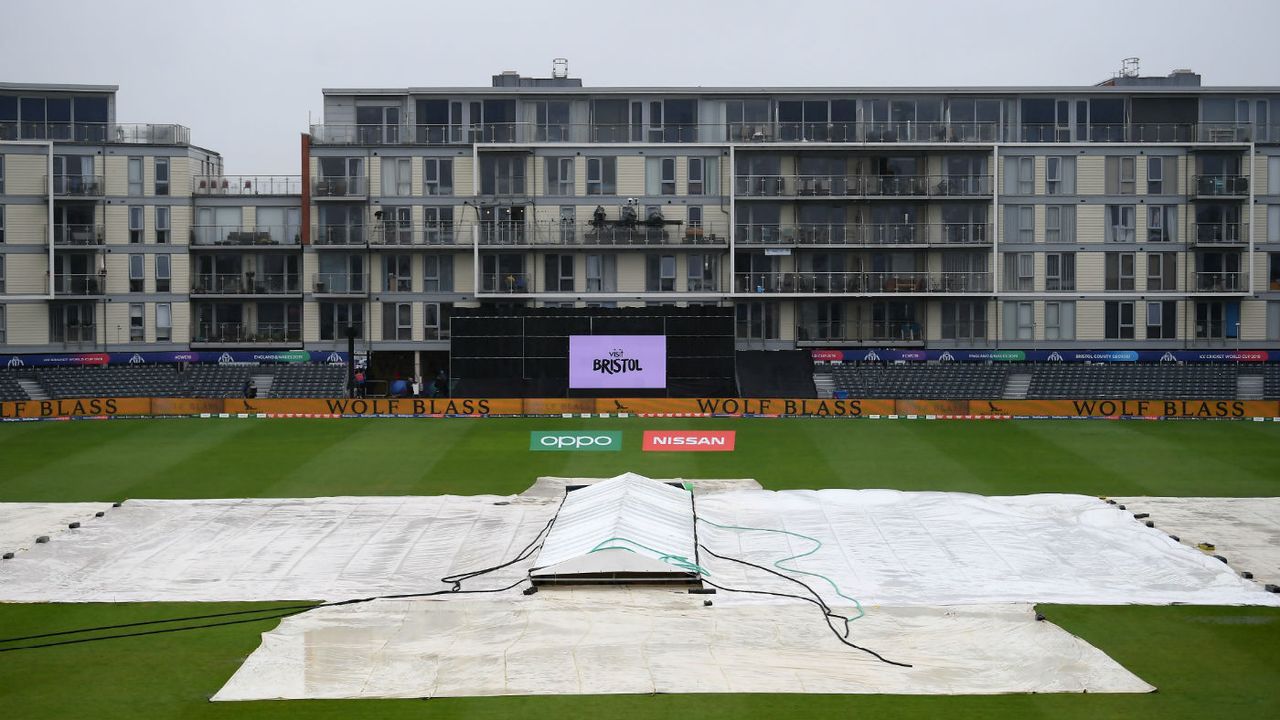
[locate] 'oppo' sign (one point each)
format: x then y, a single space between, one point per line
599 441
689 440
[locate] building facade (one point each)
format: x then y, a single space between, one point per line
1140 213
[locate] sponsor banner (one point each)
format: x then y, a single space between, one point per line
689 440
1127 408
931 407
186 406
575 441
558 406
398 407
746 406
139 358
617 361
888 355
84 407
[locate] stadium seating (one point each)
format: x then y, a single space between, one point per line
309 381
123 381
218 381
9 388
1133 381
927 382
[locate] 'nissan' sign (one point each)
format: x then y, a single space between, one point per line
688 440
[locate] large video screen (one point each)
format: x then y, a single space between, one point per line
617 361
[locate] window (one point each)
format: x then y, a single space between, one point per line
1019 272
1162 223
399 273
552 120
137 330
1060 175
162 225
335 317
1059 321
560 176
757 320
135 225
1216 319
694 215
559 273
437 273
1155 176
136 274
1162 272
502 175
1273 271
397 176
1 174
163 273
702 272
697 175
602 273
1119 271
1 223
1121 175
397 321
2 273
164 322
1059 223
1120 224
1020 175
1019 320
602 176
437 176
1162 320
964 320
4 327
135 176
438 225
1273 321
660 273
435 321
660 176
1020 222
1059 272
162 176
1118 320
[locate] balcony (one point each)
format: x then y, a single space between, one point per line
1218 186
1221 282
433 234
863 186
1221 233
246 185
341 188
338 235
509 282
607 234
894 234
233 236
863 283
79 285
73 337
340 283
860 333
234 333
77 185
78 235
248 283
98 133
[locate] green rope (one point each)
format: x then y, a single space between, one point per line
679 561
817 545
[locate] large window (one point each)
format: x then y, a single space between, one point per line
1118 320
1119 271
135 176
559 272
1121 175
162 176
1020 175
1060 175
1019 320
1217 319
660 176
335 317
602 273
1059 321
135 225
552 118
1121 222
1162 273
660 273
1 174
162 225
164 322
438 225
1059 223
602 176
1162 223
1059 272
1155 176
1020 224
397 176
1019 272
702 272
1162 320
964 320
437 176
435 320
397 321
757 320
137 273
163 273
437 272
559 176
502 174
398 270
137 326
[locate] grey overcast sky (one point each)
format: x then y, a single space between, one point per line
244 74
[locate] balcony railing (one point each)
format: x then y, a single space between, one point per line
130 133
343 235
340 283
243 333
864 234
1221 185
860 332
1222 282
235 236
74 335
78 235
854 282
79 283
863 185
246 185
77 185
393 233
508 282
245 284
1222 233
339 187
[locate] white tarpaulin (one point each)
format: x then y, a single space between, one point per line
22 523
882 547
614 640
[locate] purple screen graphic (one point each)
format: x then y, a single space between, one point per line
617 361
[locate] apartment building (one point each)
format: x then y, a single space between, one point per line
1137 213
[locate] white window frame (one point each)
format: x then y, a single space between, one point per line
1160 284
135 176
433 330
162 225
399 170
1021 319
595 180
137 272
164 330
1064 281
1056 324
1124 280
162 186
1155 175
1026 175
1120 306
563 184
437 176
1053 175
164 272
1026 223
137 225
1057 232
696 166
138 332
1121 223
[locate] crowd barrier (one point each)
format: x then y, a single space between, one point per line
676 407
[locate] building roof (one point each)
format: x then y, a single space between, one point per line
816 90
58 87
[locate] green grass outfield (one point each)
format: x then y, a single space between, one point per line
1207 662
